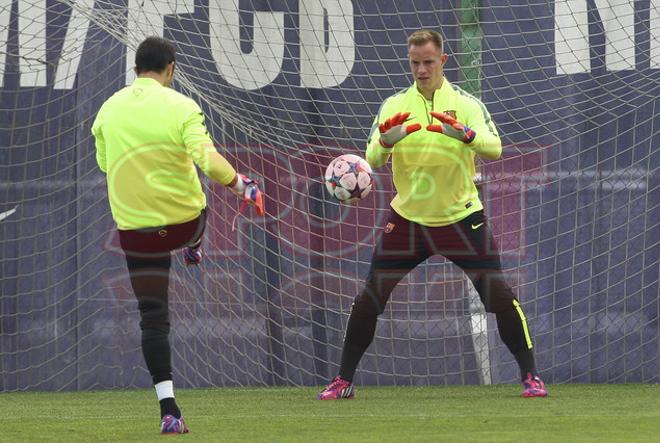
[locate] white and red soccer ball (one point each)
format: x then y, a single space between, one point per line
348 178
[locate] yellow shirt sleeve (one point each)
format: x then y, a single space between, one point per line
200 147
377 155
100 143
487 143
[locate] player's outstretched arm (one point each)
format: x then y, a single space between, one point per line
199 145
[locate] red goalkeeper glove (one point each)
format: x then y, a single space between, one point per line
452 127
249 191
393 129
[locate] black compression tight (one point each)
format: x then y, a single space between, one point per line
150 281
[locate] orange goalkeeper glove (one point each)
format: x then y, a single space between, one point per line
249 191
452 127
393 129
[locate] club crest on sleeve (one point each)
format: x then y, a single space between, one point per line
452 114
389 228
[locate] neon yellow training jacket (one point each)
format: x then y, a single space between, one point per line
147 138
433 173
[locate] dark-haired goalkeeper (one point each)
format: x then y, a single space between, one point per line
432 131
148 140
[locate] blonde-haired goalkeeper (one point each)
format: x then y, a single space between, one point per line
433 131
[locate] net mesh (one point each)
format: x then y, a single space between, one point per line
286 86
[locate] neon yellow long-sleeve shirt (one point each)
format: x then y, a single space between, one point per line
148 139
433 173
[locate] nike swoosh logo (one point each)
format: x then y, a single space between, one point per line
4 215
477 226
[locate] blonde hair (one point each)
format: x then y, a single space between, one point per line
422 36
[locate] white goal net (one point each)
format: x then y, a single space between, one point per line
287 85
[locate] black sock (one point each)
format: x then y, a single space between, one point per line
525 359
359 334
511 329
168 406
157 354
350 358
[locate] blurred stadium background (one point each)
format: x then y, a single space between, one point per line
573 85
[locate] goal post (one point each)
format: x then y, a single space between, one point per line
286 86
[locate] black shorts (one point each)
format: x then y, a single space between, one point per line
468 243
404 244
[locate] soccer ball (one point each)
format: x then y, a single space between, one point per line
348 178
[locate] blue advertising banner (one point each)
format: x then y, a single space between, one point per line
286 86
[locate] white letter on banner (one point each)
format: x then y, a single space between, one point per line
655 34
74 42
618 18
572 35
321 68
145 18
32 42
257 68
5 12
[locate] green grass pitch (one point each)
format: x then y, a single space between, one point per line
573 412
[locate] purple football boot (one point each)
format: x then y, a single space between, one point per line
533 386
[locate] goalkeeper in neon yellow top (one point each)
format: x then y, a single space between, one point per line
148 140
432 132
